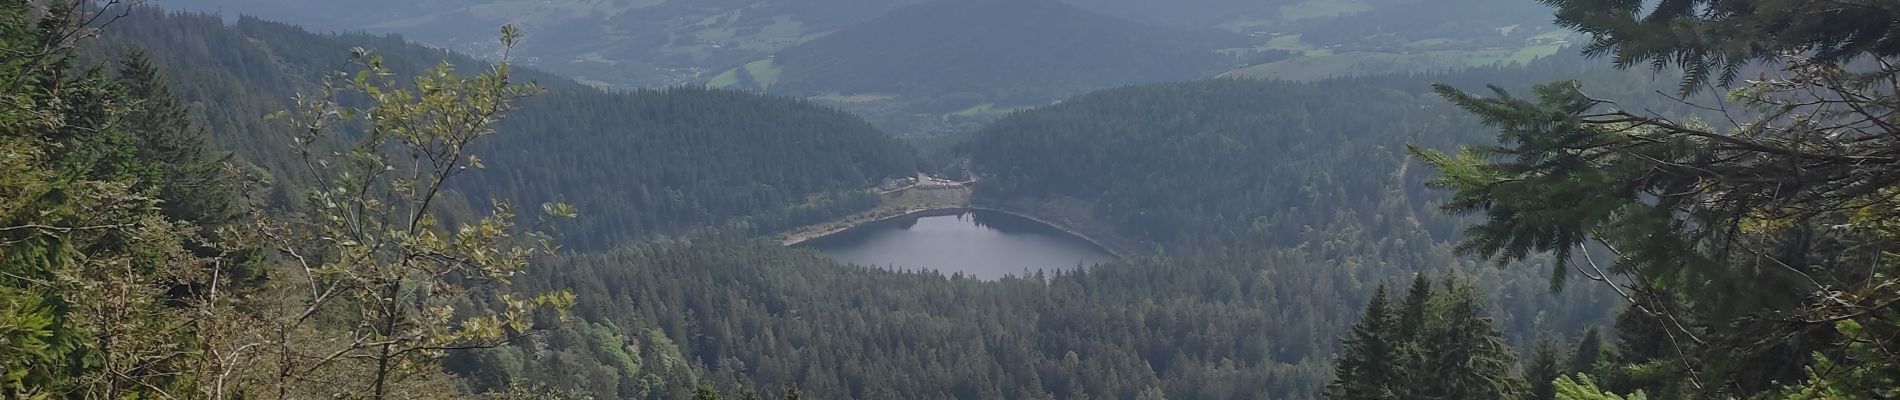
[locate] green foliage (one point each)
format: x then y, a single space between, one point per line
1828 378
1369 362
1457 353
372 273
706 392
194 186
1545 367
1582 388
1742 248
1461 355
1588 354
534 391
89 261
1411 315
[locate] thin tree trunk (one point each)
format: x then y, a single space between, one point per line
388 328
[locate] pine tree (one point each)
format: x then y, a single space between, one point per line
1368 364
190 181
1412 314
1589 351
1544 369
85 251
1461 353
1412 317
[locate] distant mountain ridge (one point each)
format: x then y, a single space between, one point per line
948 55
620 43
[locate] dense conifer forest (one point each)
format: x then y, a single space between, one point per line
1256 162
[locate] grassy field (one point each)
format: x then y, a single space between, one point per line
1532 53
724 79
765 72
1422 55
1285 42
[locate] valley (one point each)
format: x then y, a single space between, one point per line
688 197
948 199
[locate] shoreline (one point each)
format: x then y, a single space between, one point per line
949 210
1060 227
796 237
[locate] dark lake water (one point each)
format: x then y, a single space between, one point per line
982 244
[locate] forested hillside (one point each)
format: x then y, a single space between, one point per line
1244 161
640 162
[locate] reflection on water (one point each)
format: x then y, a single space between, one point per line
982 244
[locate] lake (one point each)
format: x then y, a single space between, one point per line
979 243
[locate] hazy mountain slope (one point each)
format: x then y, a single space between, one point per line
639 163
997 51
1188 13
1408 36
643 43
625 43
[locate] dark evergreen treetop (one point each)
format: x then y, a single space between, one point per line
1370 361
1457 353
